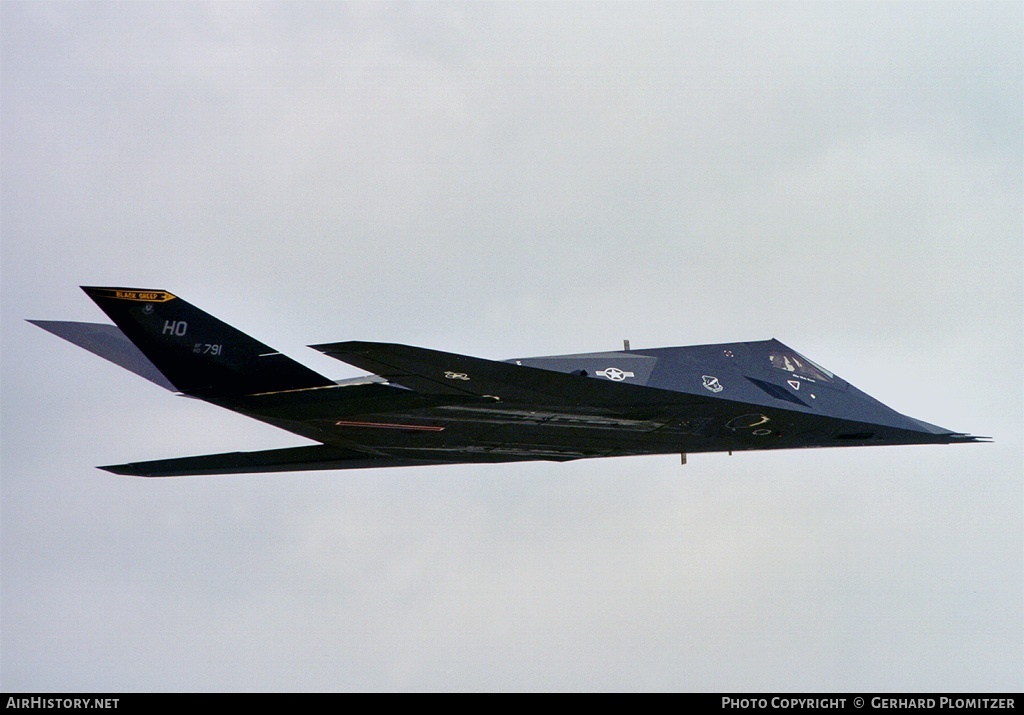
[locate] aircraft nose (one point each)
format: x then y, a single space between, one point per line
947 436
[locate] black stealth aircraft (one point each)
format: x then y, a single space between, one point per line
424 407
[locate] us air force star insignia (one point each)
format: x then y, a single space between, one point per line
711 383
455 375
614 373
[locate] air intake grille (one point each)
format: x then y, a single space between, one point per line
779 393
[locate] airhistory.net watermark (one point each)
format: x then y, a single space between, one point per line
62 703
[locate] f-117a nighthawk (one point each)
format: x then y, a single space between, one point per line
423 407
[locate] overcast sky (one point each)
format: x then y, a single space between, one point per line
505 180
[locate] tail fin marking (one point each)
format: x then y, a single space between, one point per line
199 354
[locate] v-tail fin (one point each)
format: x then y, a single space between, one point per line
109 343
197 353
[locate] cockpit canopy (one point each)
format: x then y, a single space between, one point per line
799 366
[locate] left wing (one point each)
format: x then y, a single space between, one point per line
290 459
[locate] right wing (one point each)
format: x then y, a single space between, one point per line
440 373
